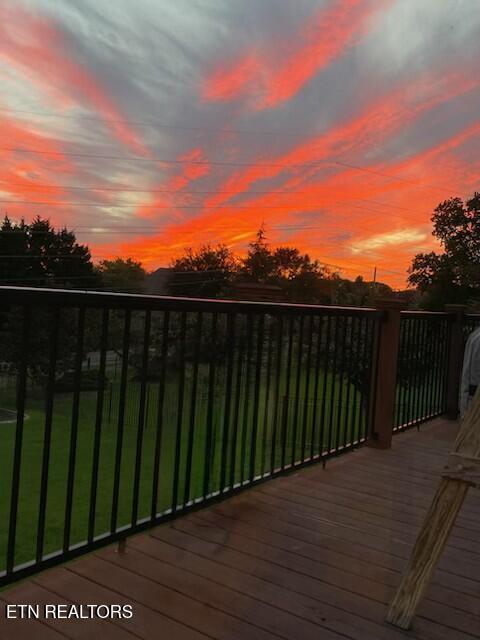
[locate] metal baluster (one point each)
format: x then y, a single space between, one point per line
278 378
348 439
432 341
121 421
418 377
238 392
343 348
256 399
230 347
323 420
246 399
77 377
333 387
267 395
287 392
442 368
355 435
372 327
307 389
316 385
47 436
425 342
402 389
141 415
210 409
408 350
159 425
445 369
180 399
98 425
193 407
17 455
297 389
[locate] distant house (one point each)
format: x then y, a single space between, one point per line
258 292
156 283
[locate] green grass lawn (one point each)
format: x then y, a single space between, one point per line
337 430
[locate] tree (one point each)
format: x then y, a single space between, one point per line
300 278
259 265
206 272
122 275
454 275
37 255
359 292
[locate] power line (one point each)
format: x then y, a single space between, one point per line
159 125
130 230
144 205
43 256
160 160
227 164
210 130
387 175
184 191
128 190
246 206
352 267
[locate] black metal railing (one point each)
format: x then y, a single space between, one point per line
422 370
127 410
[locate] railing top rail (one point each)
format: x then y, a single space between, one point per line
426 314
103 299
473 316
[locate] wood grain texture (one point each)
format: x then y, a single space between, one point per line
428 548
437 525
460 467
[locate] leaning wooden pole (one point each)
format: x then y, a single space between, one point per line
461 473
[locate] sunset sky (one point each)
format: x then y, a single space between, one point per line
149 126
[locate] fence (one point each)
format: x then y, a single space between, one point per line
181 402
211 397
422 371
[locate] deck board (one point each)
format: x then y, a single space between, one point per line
315 555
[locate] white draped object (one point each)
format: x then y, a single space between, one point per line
471 370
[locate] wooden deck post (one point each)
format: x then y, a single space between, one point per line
461 472
455 358
385 373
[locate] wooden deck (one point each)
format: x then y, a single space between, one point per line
311 556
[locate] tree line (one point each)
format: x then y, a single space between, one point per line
36 254
292 276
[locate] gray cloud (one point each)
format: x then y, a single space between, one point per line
150 56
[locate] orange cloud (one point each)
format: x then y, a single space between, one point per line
36 47
380 118
325 36
21 171
188 172
383 233
331 32
227 83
